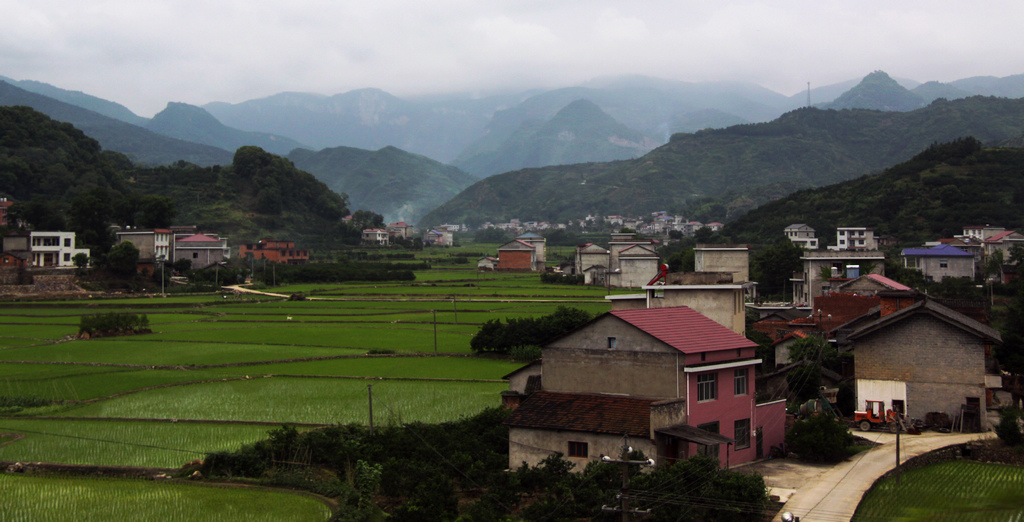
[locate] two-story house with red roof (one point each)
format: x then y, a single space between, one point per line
674 381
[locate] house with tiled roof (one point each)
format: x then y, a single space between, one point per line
674 381
919 356
871 284
517 255
1003 242
202 250
939 262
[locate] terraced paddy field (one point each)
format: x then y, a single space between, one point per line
221 370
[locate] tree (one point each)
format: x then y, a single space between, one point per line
81 260
157 211
363 219
774 266
819 438
123 258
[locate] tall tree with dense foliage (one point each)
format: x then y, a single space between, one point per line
773 267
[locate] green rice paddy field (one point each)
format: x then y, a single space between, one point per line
219 371
239 364
957 490
76 498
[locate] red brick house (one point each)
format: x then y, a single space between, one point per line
517 255
676 382
275 251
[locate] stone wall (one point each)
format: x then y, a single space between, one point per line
43 283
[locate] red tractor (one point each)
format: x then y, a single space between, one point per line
876 416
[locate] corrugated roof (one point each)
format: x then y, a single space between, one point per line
684 329
586 413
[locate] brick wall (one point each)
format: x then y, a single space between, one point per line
516 260
940 363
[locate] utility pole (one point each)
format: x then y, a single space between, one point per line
625 463
369 393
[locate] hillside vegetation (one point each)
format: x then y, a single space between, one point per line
399 185
935 194
139 144
738 167
62 180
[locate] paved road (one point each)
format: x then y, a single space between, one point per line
832 495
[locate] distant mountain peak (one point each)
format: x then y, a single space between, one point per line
879 92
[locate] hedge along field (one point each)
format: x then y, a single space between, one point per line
958 490
122 443
103 499
303 400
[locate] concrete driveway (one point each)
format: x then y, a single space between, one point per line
831 493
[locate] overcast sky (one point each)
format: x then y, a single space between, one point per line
145 53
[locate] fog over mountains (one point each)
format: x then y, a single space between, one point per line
606 119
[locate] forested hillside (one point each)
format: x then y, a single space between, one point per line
934 195
61 180
141 145
399 185
730 171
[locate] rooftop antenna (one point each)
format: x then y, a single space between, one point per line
808 94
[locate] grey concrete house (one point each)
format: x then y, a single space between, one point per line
919 357
939 262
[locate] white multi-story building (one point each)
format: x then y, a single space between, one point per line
54 249
855 238
802 235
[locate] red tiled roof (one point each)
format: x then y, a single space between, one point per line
684 329
587 413
888 282
999 237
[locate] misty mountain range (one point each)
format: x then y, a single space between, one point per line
604 120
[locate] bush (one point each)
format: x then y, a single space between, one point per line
1008 429
496 337
820 438
113 323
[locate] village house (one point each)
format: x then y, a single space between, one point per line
202 250
374 236
823 270
939 262
922 357
1003 242
53 249
400 230
156 245
524 253
854 238
440 237
675 382
5 206
628 261
802 235
275 251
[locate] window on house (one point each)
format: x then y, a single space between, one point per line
740 382
741 433
195 255
578 449
67 257
943 263
611 343
67 242
707 387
